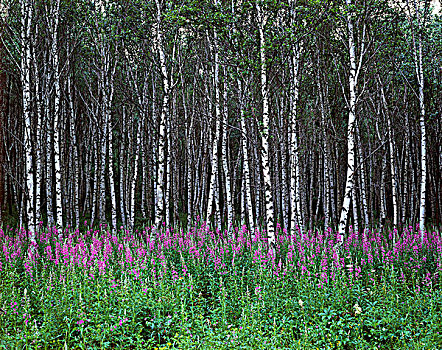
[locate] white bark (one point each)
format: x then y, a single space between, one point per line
95 186
364 201
383 200
224 155
423 181
269 210
411 171
295 182
246 167
168 183
25 77
417 54
135 174
74 150
296 217
57 123
38 145
123 199
355 211
257 180
349 182
213 183
160 188
285 197
189 128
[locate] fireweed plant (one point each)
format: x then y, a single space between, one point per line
206 289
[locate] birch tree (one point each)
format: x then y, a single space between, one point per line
213 179
246 165
54 28
224 154
352 82
417 28
25 77
3 86
162 201
269 210
295 195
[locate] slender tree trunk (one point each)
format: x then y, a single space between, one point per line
246 161
295 176
257 178
74 149
57 122
383 204
355 211
160 188
362 180
27 14
3 87
285 198
322 97
224 154
349 182
123 154
38 145
213 183
169 180
138 145
269 210
96 207
417 54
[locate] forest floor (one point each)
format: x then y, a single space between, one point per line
206 289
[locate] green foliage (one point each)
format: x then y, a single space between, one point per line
199 294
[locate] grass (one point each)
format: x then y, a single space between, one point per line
202 289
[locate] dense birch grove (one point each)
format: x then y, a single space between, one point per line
291 113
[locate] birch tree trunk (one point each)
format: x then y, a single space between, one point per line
123 199
95 183
38 144
295 183
269 215
362 180
285 198
246 164
322 97
296 217
3 87
189 123
419 69
213 183
349 182
423 182
224 156
168 183
160 188
138 144
111 154
25 77
55 14
74 148
383 205
355 211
